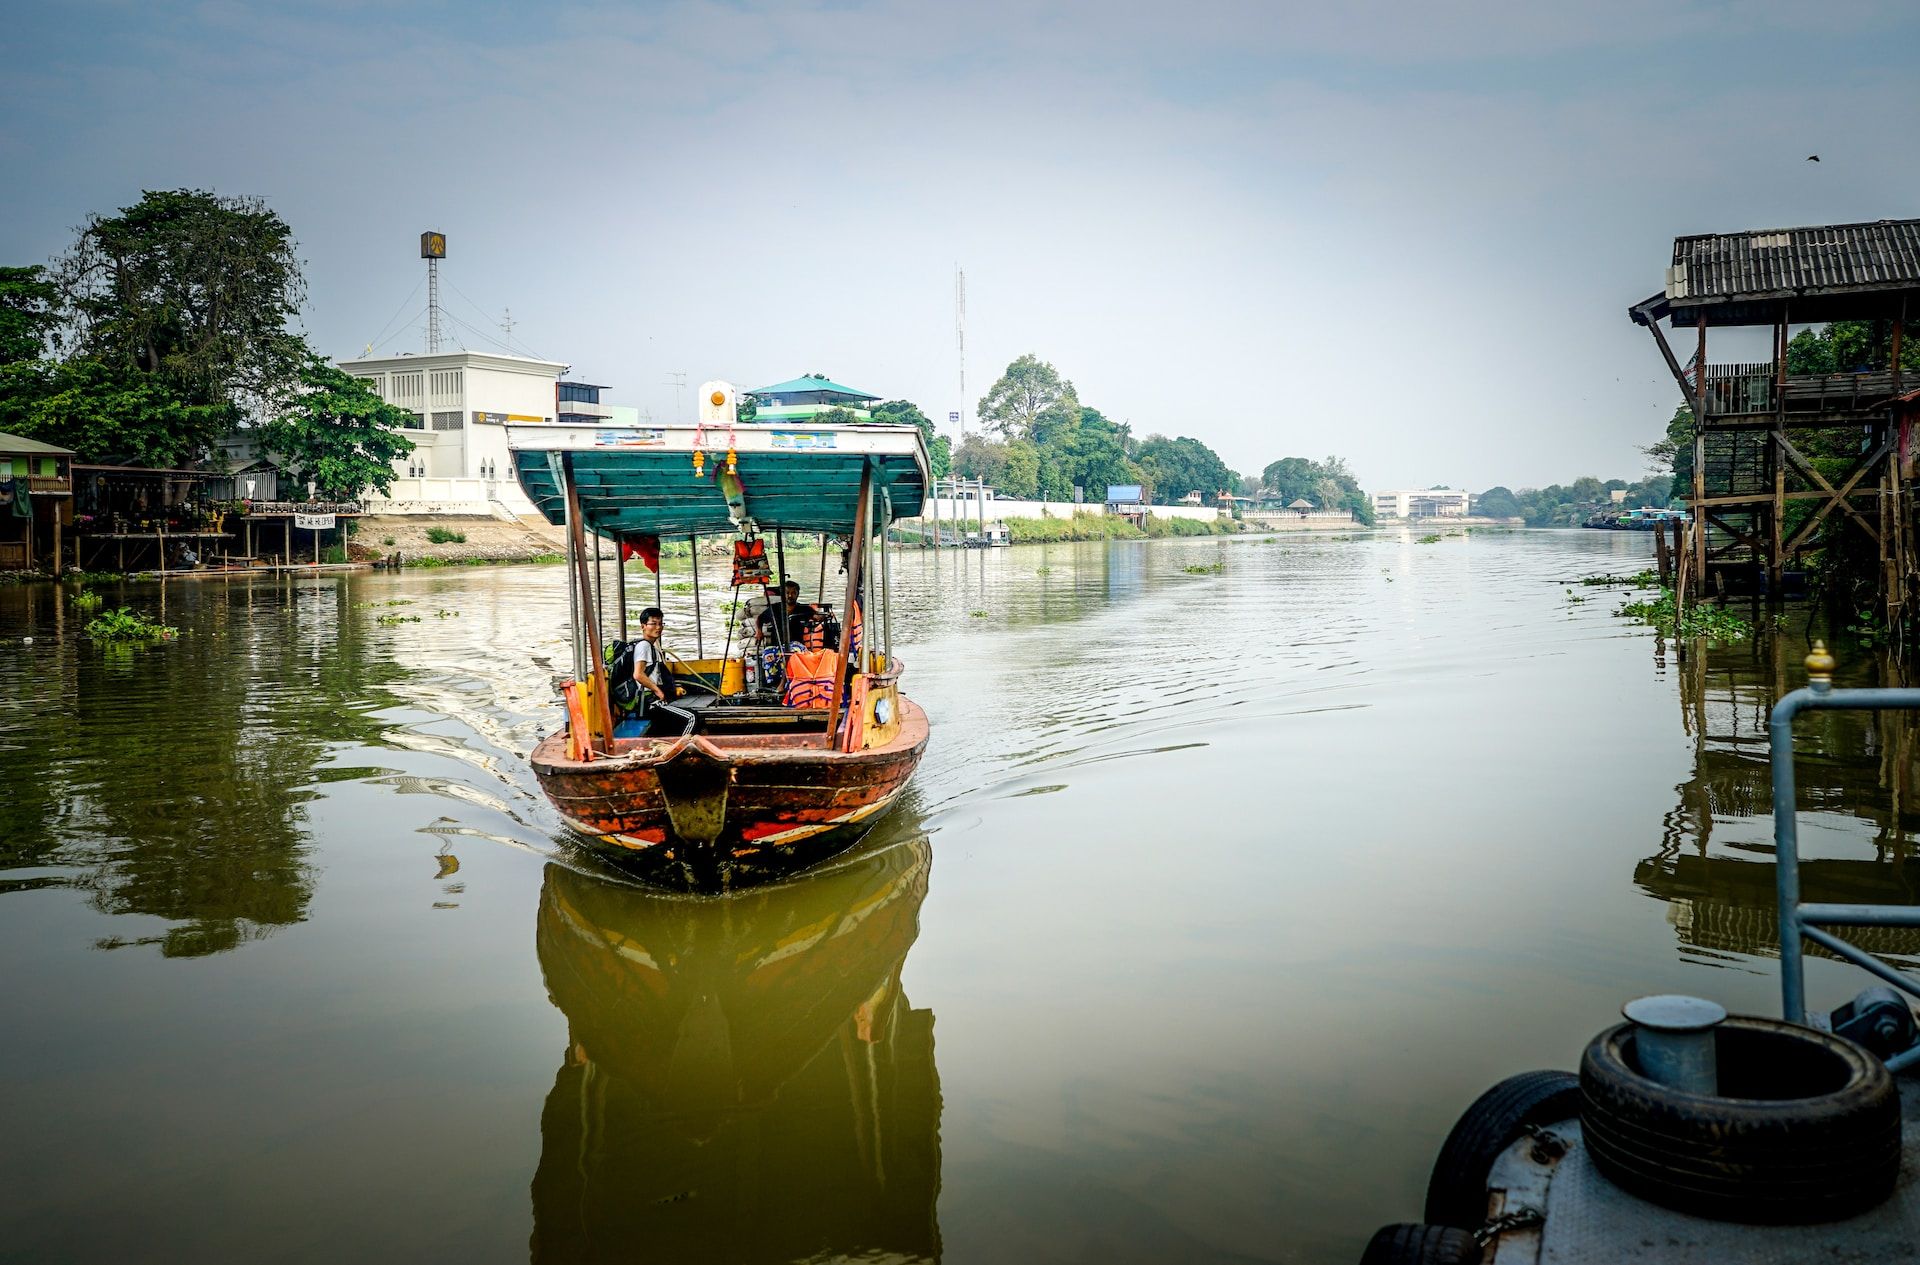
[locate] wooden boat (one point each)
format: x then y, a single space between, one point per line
759 788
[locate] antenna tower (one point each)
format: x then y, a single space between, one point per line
433 248
960 330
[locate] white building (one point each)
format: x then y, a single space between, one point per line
1421 503
461 402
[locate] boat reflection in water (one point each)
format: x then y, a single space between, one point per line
1856 771
744 1079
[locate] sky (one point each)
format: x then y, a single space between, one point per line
1403 233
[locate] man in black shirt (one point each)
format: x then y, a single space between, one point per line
781 625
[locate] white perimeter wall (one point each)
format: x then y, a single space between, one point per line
951 509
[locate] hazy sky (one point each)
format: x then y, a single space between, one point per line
1406 233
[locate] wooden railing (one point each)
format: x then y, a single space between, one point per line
1753 389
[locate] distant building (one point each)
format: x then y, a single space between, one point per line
1195 497
798 399
36 501
1421 503
578 404
461 402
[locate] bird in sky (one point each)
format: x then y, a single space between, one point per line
1813 158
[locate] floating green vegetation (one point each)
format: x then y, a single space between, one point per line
977 614
397 601
1638 580
1205 568
390 620
1574 598
1432 538
446 614
125 625
86 600
1869 630
1043 570
1702 619
84 578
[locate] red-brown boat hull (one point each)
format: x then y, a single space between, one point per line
710 813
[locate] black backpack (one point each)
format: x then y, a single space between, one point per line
622 690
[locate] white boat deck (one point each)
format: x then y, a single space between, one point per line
1590 1221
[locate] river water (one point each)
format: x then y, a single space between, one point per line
1235 869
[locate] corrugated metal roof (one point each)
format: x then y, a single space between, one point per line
1821 259
21 446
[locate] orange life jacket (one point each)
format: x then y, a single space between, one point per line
809 678
750 563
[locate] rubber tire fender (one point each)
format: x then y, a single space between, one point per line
1457 1191
1413 1244
1758 1154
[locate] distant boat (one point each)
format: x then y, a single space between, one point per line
765 780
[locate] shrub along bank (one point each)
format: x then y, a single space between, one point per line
1092 526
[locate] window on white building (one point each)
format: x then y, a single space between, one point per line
408 387
445 384
449 420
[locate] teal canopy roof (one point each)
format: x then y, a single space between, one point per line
640 481
796 386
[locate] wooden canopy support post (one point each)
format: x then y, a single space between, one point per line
600 714
699 629
1661 563
856 558
620 579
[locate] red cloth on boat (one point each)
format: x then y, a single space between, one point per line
645 548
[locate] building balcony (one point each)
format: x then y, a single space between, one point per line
578 411
1754 392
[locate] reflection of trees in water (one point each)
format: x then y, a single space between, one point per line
744 1079
1856 768
165 776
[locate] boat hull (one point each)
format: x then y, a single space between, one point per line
710 814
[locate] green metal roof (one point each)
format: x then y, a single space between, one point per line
640 481
21 446
810 383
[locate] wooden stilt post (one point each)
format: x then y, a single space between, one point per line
1661 562
54 508
600 715
856 557
1700 457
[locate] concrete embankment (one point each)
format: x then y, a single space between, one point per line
456 539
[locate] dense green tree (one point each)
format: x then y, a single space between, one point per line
906 413
1497 502
334 430
978 457
1028 388
1329 484
1182 465
194 287
29 314
1021 477
108 413
1849 347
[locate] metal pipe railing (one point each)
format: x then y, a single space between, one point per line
1801 921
